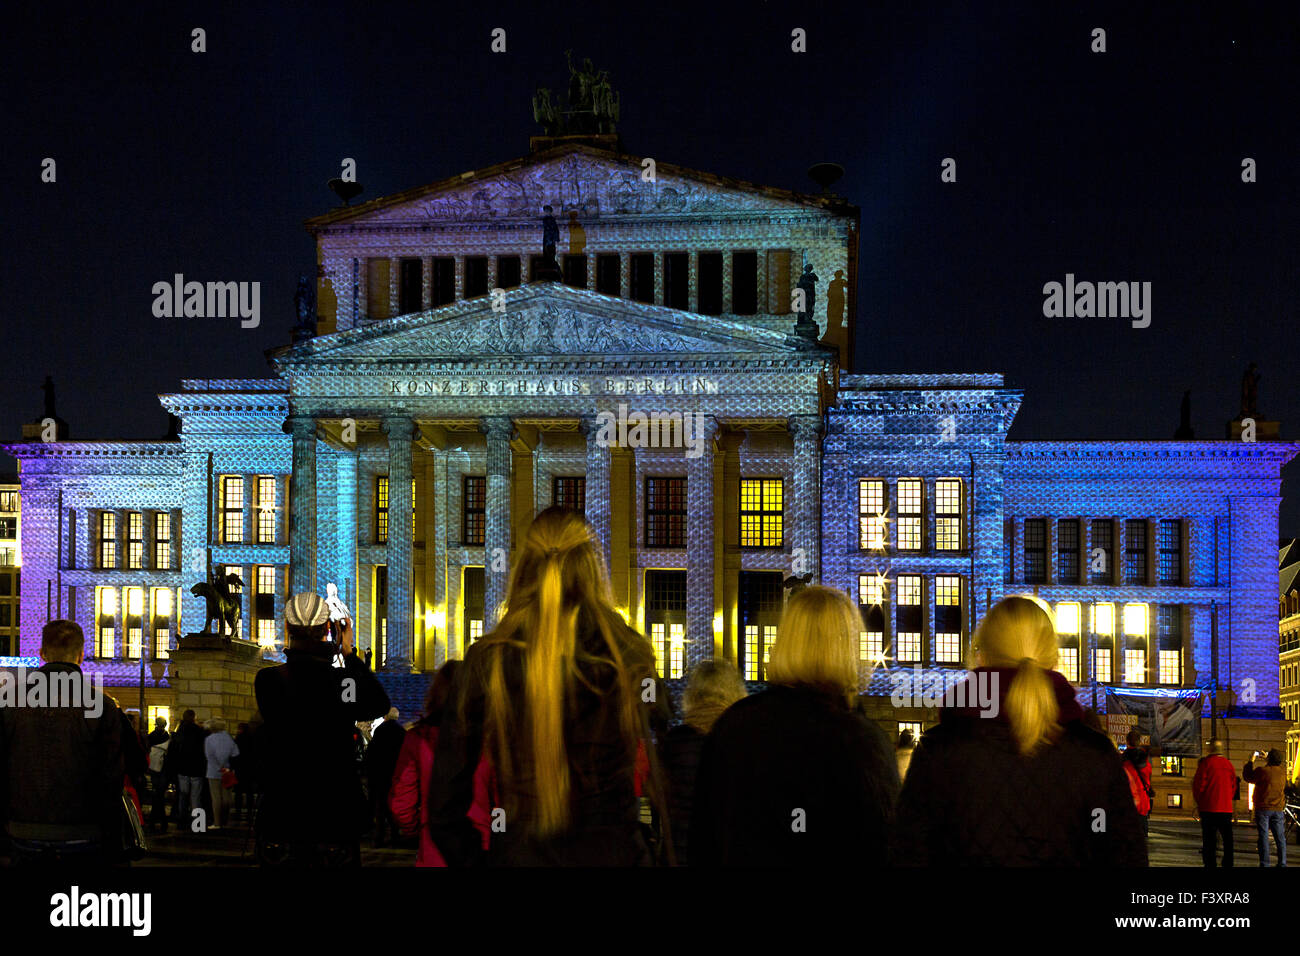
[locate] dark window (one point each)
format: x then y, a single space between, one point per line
1067 551
381 613
710 283
410 289
575 271
6 615
761 602
107 539
474 523
377 301
8 527
744 283
444 281
1171 552
534 267
1135 551
476 276
7 646
609 277
6 585
569 491
665 512
509 271
677 280
1101 559
1169 626
1036 551
641 274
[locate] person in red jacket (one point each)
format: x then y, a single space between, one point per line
407 797
1137 768
1215 789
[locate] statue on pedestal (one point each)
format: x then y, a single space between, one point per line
1250 393
223 605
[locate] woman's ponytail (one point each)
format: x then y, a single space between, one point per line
1031 706
1018 632
544 679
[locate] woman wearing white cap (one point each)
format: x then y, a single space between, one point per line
313 810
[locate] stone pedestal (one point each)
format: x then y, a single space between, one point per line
213 676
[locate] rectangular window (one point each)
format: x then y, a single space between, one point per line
509 272
105 622
1169 637
666 617
1035 551
134 540
871 601
1135 665
871 514
778 280
134 623
1135 551
947 619
909 610
641 276
8 501
410 287
9 529
575 271
266 506
609 275
1101 559
1101 658
744 283
1171 667
107 540
232 509
665 512
1171 552
476 276
1136 630
1067 630
162 540
677 280
709 279
161 609
1171 766
381 509
948 505
569 491
443 290
475 602
377 301
910 504
1067 662
264 604
762 512
474 516
1067 551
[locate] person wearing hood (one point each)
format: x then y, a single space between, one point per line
1137 768
313 809
1018 779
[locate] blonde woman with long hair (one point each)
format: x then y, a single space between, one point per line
794 775
1014 777
555 699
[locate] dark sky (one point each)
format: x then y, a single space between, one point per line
1116 166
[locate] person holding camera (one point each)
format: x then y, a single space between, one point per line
313 808
1270 802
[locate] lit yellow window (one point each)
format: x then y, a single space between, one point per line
871 589
762 512
1135 620
1067 618
948 500
1103 620
871 514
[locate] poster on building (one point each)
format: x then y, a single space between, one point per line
1169 722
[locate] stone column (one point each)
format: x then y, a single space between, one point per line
441 606
700 598
302 506
496 536
345 515
802 500
400 430
599 506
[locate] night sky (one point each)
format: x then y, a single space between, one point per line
1122 166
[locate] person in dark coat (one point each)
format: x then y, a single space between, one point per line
712 688
557 698
1016 778
313 809
795 776
245 766
61 765
187 761
158 737
380 762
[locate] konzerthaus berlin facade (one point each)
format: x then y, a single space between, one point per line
425 392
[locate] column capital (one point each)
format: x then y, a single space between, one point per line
804 426
300 425
398 427
497 427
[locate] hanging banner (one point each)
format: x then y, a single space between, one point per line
1170 721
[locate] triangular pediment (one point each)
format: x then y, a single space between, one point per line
545 321
588 183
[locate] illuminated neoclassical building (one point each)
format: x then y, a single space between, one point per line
401 450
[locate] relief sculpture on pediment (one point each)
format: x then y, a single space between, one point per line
549 330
